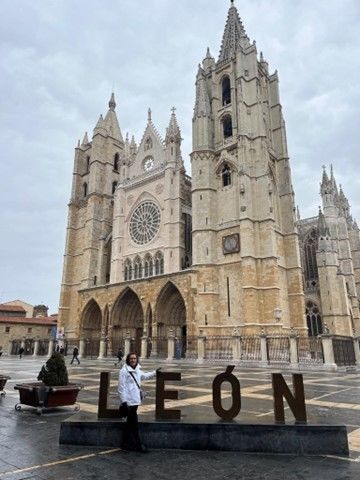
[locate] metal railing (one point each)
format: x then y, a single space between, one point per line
250 349
310 350
278 349
219 348
344 351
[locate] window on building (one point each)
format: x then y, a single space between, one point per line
148 143
311 271
116 162
29 330
226 175
159 263
113 188
227 126
87 164
226 91
148 268
137 268
85 189
49 330
128 270
7 329
313 319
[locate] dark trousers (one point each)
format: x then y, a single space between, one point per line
131 439
75 357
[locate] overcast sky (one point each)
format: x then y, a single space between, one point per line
60 60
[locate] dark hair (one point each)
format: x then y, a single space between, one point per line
128 358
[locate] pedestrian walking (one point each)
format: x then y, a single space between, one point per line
131 396
75 356
62 350
21 352
119 356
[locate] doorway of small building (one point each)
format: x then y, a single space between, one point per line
91 329
127 319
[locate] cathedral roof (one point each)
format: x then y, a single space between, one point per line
234 35
150 130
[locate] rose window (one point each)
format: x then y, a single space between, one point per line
145 223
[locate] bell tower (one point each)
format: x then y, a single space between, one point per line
245 243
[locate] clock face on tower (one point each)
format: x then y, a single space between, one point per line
148 164
144 222
231 243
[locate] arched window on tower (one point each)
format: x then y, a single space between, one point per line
226 175
113 188
85 189
313 319
311 271
116 162
226 91
87 164
227 126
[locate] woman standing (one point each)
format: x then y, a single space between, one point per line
130 377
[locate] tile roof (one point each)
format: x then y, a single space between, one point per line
11 308
50 321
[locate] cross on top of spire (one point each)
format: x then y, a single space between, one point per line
173 110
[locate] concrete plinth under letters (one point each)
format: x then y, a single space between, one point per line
86 429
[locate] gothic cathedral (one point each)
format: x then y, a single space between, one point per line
151 252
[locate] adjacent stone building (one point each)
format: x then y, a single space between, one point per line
27 326
151 252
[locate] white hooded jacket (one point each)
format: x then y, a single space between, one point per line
128 390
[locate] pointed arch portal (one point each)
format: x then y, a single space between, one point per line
170 311
127 320
91 328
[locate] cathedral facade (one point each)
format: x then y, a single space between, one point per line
151 252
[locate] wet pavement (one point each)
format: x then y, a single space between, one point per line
29 447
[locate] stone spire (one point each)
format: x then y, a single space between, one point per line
112 103
202 101
234 35
173 134
209 61
133 146
100 127
85 140
111 121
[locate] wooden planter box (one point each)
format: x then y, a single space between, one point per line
41 396
3 380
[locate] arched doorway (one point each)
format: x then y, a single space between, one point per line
171 319
91 329
127 320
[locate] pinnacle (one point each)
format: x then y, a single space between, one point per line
85 140
112 103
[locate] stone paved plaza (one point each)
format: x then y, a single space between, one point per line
29 445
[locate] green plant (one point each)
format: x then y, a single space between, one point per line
54 372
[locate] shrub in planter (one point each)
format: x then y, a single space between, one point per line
54 389
54 372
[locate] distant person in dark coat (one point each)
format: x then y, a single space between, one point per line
119 356
21 352
75 356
